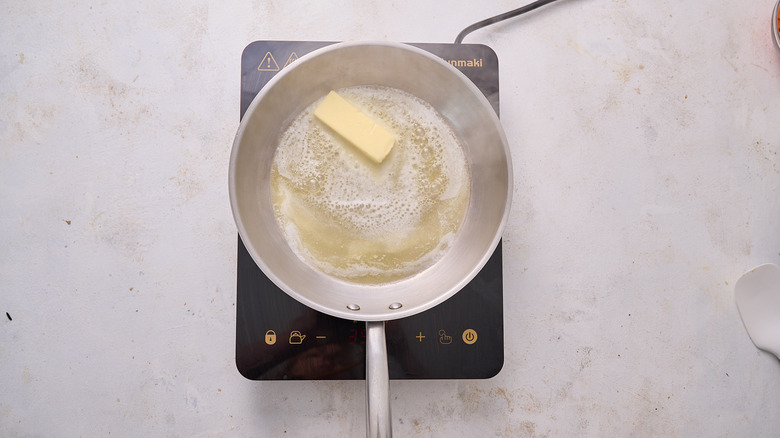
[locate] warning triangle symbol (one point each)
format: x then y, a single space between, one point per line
293 57
268 63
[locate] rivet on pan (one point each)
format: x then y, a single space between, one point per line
395 306
353 307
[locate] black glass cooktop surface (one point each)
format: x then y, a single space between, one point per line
278 338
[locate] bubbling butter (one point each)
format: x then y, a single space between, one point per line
365 222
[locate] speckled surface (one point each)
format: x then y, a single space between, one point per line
645 143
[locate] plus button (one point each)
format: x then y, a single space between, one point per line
420 336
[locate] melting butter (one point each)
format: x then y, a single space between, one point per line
362 221
355 126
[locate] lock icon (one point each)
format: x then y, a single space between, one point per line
270 337
296 338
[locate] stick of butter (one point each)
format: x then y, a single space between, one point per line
355 126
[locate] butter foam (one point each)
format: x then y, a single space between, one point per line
366 222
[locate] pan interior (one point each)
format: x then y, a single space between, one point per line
424 76
363 221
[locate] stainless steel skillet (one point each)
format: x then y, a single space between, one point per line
487 153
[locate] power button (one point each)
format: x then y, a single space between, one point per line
469 336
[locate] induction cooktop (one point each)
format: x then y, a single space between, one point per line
278 338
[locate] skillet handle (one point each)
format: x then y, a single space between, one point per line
379 422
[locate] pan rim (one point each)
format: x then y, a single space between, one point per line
368 288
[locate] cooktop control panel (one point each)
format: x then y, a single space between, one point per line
278 338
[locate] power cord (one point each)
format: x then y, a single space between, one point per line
500 17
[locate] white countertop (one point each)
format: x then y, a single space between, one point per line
645 140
